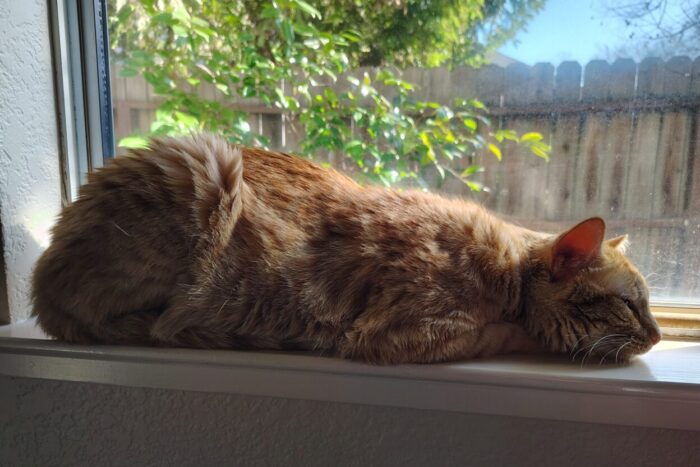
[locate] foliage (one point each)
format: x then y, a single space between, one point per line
282 59
425 33
661 27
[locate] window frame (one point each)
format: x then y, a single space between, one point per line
80 45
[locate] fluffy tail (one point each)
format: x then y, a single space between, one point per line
211 171
120 253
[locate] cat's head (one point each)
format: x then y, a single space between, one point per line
584 297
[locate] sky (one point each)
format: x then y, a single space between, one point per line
571 30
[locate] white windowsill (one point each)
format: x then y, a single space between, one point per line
660 389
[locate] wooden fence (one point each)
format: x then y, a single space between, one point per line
624 140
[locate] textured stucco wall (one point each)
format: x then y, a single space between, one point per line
29 158
79 424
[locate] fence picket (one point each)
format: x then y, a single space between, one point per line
542 83
568 82
622 76
596 80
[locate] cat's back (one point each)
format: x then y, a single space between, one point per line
280 178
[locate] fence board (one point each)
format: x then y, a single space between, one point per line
695 78
135 89
561 176
642 162
542 83
517 84
568 82
672 163
613 176
464 82
490 84
596 80
622 79
676 77
588 171
693 188
650 78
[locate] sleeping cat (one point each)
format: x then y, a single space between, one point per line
194 242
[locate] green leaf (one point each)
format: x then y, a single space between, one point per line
127 72
531 136
308 9
270 12
133 142
510 135
181 15
470 123
205 69
495 150
188 120
124 13
287 31
355 148
477 104
180 31
474 186
541 151
164 18
305 29
440 170
472 169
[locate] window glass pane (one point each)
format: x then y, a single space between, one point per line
591 106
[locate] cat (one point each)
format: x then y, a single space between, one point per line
194 242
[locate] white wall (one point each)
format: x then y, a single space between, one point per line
29 158
60 423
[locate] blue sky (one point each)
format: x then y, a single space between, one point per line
570 30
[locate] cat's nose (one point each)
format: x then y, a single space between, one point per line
654 335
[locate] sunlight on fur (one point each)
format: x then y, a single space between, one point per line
193 242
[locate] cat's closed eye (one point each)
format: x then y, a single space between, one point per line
631 305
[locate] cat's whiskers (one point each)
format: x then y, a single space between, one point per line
595 344
585 347
576 344
621 347
614 347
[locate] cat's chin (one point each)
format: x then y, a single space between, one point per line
629 354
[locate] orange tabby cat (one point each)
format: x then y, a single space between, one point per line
198 243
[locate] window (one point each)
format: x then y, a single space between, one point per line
81 64
605 87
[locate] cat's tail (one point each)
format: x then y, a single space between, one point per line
209 171
122 253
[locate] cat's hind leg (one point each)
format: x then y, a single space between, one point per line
192 320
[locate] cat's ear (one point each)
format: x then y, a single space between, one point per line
619 243
577 248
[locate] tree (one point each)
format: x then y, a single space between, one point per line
425 33
273 52
662 27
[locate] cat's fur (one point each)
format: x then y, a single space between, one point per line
195 242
